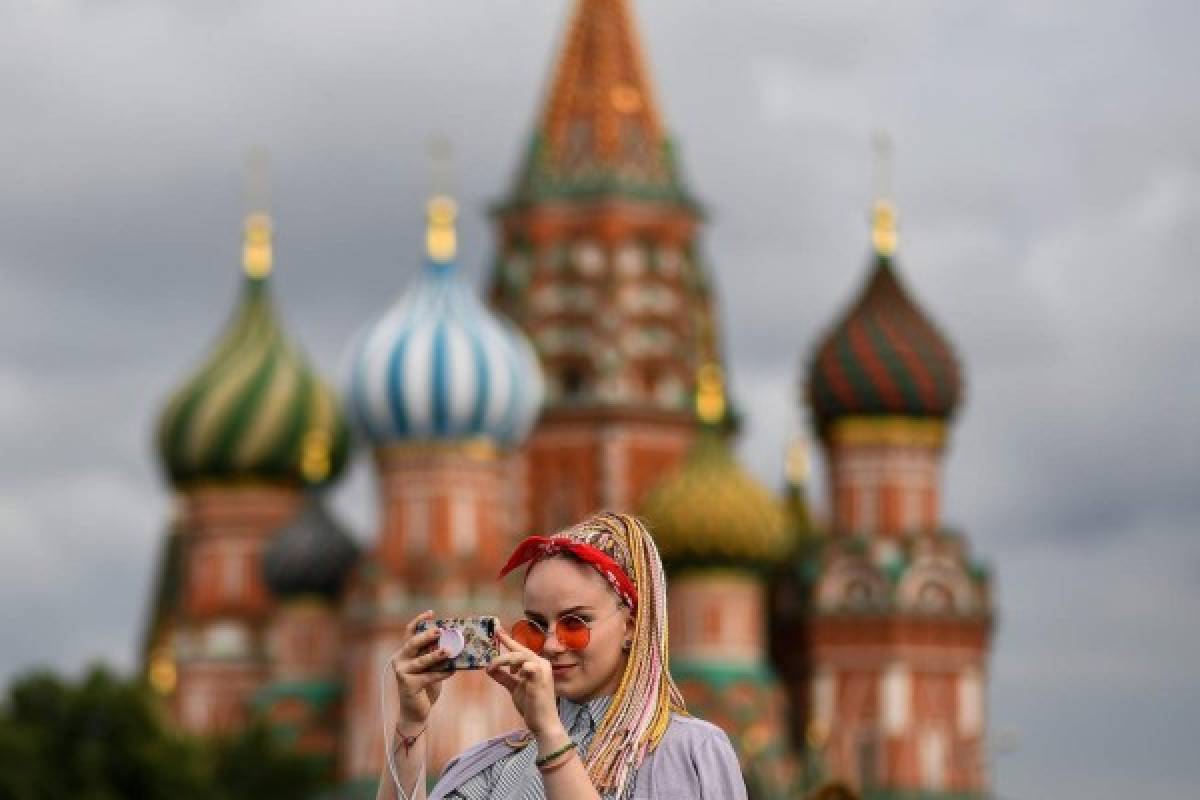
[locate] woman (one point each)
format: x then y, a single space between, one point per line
587 671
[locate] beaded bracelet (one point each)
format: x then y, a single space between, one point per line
544 760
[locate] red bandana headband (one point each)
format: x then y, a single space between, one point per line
535 548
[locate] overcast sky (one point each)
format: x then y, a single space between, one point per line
1047 173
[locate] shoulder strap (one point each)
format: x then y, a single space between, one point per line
476 759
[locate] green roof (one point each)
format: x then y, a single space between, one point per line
317 693
543 180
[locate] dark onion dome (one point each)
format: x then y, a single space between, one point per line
710 510
311 555
255 410
884 357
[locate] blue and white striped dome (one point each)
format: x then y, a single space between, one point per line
440 366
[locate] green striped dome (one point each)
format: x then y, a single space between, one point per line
255 410
713 512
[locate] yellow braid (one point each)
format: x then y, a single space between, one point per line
641 708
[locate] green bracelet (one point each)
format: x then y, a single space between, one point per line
544 760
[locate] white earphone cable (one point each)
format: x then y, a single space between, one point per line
388 752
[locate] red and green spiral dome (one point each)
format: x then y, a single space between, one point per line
884 357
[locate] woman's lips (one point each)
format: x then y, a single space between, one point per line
560 669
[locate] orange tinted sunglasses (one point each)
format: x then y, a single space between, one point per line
572 631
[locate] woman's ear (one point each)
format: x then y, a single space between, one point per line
627 642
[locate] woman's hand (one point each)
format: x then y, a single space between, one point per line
418 686
529 679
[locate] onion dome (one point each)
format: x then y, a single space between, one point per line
255 410
711 510
311 555
884 357
439 366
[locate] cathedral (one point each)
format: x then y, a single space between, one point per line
844 651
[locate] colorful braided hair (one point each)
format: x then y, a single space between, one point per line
641 708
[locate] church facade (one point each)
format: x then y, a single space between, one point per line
843 648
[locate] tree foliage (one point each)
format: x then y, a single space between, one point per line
105 738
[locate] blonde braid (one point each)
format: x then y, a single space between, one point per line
641 708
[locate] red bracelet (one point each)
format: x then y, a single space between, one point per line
409 741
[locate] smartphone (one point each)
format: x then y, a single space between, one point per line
470 641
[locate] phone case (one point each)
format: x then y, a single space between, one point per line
478 640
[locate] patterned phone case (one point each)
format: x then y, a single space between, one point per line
479 641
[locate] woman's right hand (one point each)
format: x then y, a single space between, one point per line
418 686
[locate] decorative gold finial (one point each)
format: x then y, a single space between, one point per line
162 674
798 464
441 237
710 395
883 228
441 240
257 255
883 213
315 455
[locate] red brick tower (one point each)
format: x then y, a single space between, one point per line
240 441
599 262
883 628
444 391
306 566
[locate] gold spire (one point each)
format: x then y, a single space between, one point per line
441 240
441 237
315 455
883 228
162 673
257 254
710 395
883 213
798 465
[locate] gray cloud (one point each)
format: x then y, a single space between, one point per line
1048 177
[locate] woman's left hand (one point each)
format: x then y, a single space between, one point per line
529 679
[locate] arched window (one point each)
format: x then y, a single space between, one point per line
935 598
858 595
573 382
650 377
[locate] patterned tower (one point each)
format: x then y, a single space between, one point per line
599 263
443 390
240 441
719 531
884 625
306 566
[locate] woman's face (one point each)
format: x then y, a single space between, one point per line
556 587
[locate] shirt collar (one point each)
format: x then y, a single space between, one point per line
583 717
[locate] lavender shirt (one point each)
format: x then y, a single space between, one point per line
693 761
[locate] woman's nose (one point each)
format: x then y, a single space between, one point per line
552 645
